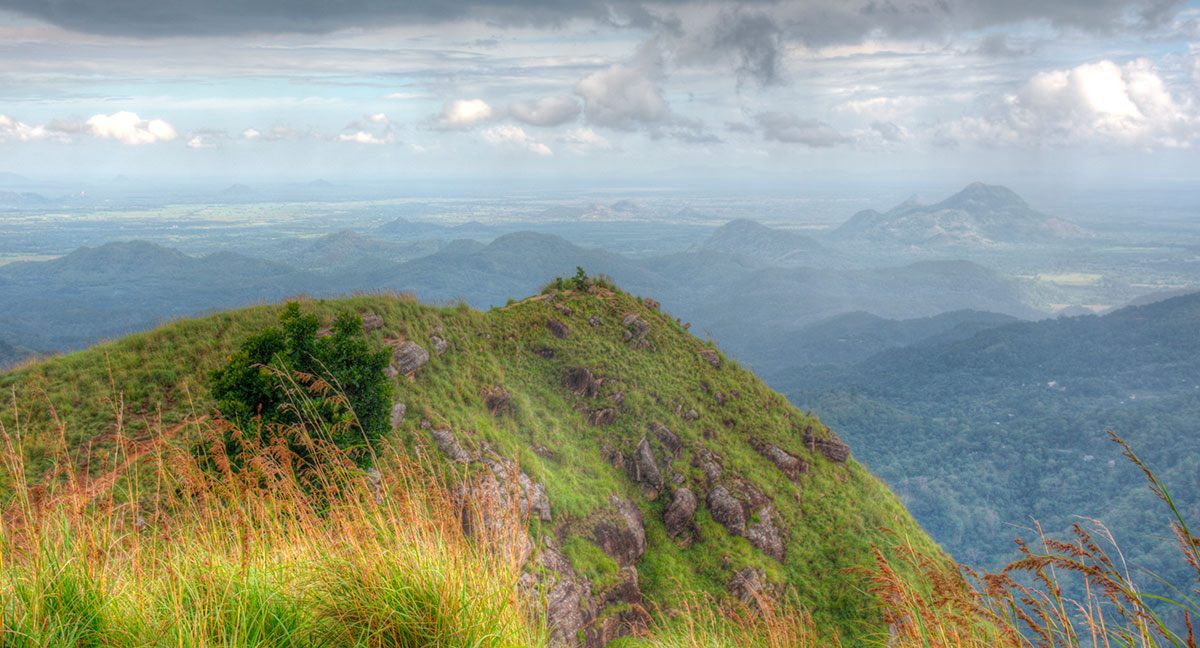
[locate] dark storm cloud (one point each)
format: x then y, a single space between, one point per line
810 22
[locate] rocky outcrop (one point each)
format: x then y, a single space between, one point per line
690 415
709 463
678 516
765 535
396 416
621 532
409 357
748 586
602 417
561 596
645 470
557 328
594 321
497 399
727 510
581 381
440 345
372 321
712 357
832 448
636 330
448 445
787 463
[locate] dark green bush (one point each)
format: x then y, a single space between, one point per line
286 381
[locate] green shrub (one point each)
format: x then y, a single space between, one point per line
285 379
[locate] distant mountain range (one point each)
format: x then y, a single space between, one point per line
978 216
757 241
121 287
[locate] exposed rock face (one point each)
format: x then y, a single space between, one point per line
833 449
594 321
679 513
709 463
645 469
439 344
787 463
748 585
581 381
448 444
396 416
557 328
409 357
602 417
765 536
651 304
569 609
726 510
636 331
631 619
372 321
690 415
497 399
531 495
669 440
621 534
712 357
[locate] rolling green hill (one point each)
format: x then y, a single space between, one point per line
649 465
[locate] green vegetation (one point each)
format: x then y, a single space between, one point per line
151 386
1010 424
258 390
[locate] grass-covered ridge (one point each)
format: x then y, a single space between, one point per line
502 388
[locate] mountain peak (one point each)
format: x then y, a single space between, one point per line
979 195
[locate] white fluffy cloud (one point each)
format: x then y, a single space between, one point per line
130 129
622 98
201 142
12 130
515 136
464 113
363 137
1097 103
547 111
377 118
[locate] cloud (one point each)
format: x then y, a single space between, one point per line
464 113
130 129
810 22
753 40
586 139
1096 103
377 118
363 137
547 111
251 134
788 128
889 131
996 45
622 98
12 130
515 136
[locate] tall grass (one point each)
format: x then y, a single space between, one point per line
1025 605
169 550
249 558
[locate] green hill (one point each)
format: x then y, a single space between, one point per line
649 465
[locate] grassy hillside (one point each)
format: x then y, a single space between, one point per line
508 385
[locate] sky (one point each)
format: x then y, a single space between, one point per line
1107 91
